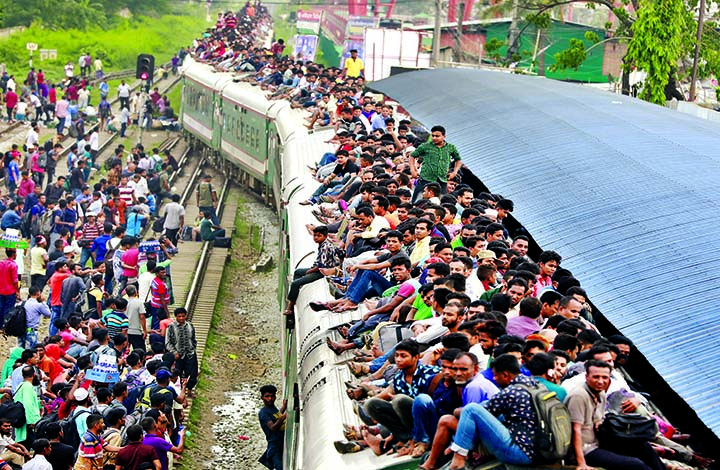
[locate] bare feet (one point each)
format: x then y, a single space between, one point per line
406 449
373 442
337 348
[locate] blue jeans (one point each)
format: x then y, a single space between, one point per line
56 313
367 325
477 424
85 255
378 362
29 340
7 302
328 157
425 418
365 285
158 314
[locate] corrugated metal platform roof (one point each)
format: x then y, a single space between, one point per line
627 192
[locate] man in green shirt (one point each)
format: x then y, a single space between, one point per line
208 230
206 198
437 156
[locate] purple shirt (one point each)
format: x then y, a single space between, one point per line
161 446
479 390
522 326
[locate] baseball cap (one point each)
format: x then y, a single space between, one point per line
163 373
484 254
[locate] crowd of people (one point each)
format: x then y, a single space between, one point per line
430 259
103 363
67 104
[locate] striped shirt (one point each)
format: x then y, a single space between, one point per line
91 231
91 446
126 194
116 322
158 291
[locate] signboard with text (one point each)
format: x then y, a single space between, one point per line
308 21
305 46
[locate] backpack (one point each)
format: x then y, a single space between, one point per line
41 426
71 436
109 256
47 222
554 430
26 224
16 321
159 225
42 160
149 391
14 412
154 184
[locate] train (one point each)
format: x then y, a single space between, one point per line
266 146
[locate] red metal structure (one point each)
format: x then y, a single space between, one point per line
453 10
360 7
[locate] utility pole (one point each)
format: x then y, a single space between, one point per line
458 36
436 34
696 59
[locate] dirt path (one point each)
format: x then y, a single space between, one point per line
244 354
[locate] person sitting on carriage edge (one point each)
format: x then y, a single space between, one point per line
328 258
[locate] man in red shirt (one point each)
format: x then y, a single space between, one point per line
159 297
135 454
61 273
9 285
11 100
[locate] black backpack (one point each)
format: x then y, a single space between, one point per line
41 426
14 412
154 185
16 321
71 436
158 225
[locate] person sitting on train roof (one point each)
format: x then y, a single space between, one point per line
328 259
344 170
392 408
405 287
512 440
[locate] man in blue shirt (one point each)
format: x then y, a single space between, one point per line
272 422
35 307
411 379
11 218
13 175
99 246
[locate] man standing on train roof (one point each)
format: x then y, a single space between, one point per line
437 156
272 422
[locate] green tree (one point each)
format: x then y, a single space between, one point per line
657 44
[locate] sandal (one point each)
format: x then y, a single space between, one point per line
420 449
318 306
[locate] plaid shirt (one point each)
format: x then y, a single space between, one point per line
436 160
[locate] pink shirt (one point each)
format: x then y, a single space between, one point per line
8 276
26 187
130 257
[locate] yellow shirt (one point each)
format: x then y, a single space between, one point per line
37 261
353 67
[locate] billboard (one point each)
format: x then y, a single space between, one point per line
308 21
305 46
385 48
356 27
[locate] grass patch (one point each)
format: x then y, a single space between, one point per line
118 46
246 230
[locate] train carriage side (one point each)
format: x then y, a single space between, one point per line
245 127
201 104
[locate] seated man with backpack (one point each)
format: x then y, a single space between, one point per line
515 439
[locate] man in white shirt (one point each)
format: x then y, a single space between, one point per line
33 136
124 94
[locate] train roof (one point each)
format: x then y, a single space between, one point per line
624 190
